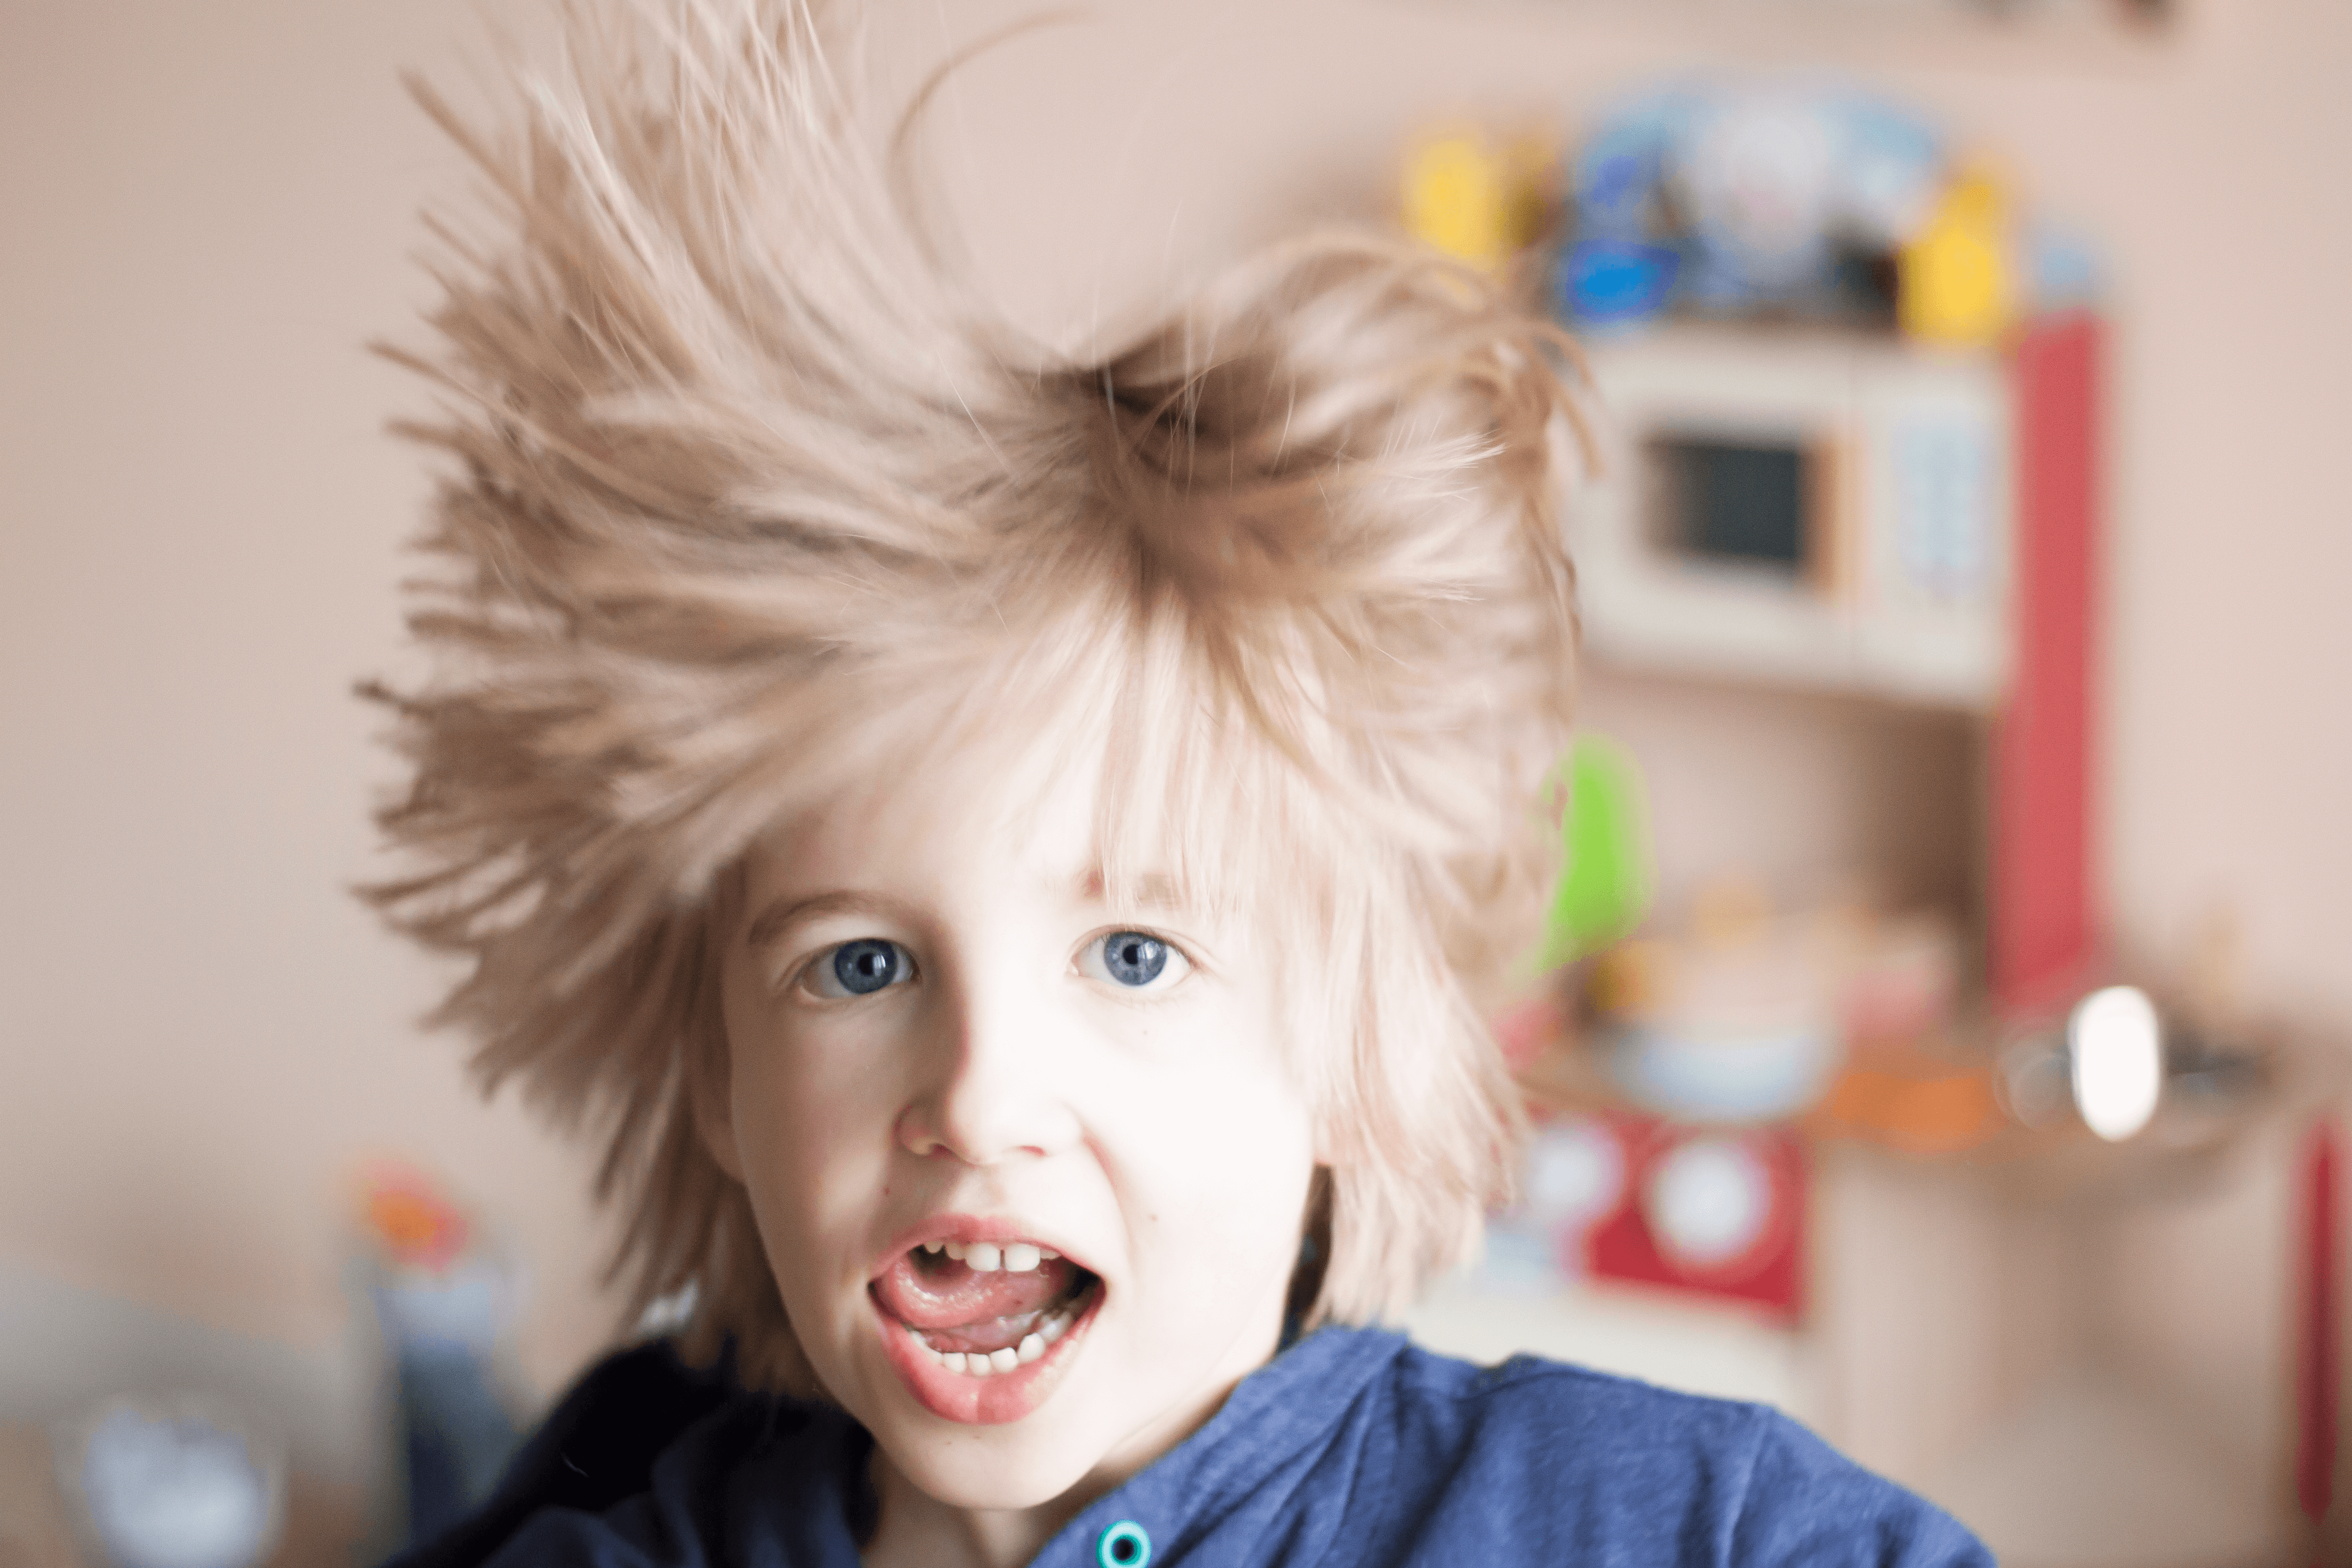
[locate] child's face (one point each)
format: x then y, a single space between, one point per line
941 1033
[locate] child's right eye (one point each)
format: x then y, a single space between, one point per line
858 968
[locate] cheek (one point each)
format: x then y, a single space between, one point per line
1224 1148
811 1129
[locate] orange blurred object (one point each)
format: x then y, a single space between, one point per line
1931 1110
417 1225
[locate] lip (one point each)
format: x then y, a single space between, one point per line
959 1396
982 1401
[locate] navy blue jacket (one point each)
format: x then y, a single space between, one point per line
1354 1448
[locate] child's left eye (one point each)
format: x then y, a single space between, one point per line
1133 961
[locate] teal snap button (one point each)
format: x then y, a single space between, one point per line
1123 1545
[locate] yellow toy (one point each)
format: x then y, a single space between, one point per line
1474 201
1956 277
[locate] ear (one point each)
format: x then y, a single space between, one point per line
711 1094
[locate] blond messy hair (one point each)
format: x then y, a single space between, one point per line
753 501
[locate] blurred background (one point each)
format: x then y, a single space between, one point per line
1949 1046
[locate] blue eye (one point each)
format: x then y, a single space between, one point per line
1135 960
860 968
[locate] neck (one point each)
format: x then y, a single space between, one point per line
916 1527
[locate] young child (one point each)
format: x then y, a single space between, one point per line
1010 851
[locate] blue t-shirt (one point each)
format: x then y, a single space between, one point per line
1352 1448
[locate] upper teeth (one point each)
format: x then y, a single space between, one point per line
988 1256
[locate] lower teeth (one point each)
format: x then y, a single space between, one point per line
1012 1358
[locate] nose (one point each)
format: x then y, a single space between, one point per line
995 1086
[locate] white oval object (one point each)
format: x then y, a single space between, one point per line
173 1487
1708 1200
2116 1048
1726 1077
1576 1172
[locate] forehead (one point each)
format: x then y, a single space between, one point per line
1103 796
943 819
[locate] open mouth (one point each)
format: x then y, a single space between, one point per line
980 1329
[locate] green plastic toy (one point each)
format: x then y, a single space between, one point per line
1604 885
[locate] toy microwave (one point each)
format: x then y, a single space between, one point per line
1805 508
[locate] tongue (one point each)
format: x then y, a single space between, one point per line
932 1290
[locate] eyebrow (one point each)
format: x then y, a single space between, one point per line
1152 890
783 914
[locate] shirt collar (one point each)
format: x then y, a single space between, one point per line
1275 1423
1276 1417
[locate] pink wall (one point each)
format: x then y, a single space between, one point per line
208 210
